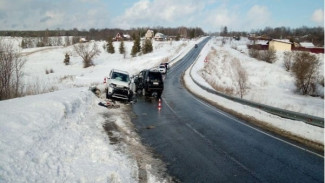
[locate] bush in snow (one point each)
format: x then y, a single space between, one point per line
11 64
305 70
268 56
287 58
254 51
264 55
110 47
87 52
241 78
49 71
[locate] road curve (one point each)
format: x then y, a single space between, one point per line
200 143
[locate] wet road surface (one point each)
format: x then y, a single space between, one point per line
200 143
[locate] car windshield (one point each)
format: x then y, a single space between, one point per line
155 76
120 77
161 66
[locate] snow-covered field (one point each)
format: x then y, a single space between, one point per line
277 92
59 136
74 75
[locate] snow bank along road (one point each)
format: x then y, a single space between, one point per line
200 143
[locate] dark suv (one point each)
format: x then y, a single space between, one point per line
149 83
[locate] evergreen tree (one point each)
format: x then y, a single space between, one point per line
122 49
138 44
110 47
147 46
225 31
136 47
67 59
23 44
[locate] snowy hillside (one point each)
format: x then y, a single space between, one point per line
268 84
59 136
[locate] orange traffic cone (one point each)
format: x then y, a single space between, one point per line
159 104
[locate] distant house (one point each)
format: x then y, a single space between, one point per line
258 45
307 45
126 37
120 36
83 40
280 45
149 34
160 37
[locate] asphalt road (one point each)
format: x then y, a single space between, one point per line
200 143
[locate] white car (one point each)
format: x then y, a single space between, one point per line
118 85
162 69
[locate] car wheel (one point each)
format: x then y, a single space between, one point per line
159 95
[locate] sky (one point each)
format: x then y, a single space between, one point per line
210 15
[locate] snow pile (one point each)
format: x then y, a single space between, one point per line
59 137
275 93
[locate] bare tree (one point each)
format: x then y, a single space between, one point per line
87 51
11 64
287 58
241 78
59 41
67 41
305 70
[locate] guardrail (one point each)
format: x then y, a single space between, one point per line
312 120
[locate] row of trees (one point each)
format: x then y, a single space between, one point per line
136 48
103 34
88 51
32 42
309 34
